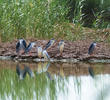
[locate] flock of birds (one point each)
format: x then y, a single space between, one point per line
22 46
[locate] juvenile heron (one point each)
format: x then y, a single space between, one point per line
30 46
91 48
61 46
45 55
50 43
21 45
21 73
39 51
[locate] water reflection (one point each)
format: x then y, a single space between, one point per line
22 72
91 72
42 67
54 81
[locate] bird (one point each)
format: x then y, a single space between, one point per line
39 50
21 45
30 46
21 73
61 46
45 55
91 48
50 43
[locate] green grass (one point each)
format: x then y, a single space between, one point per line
45 19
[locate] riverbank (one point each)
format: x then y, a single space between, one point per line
73 51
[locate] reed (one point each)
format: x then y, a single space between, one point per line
44 19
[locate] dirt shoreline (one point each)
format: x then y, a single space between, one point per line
74 51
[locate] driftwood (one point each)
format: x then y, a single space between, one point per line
72 50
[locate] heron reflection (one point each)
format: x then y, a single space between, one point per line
29 71
22 72
42 67
49 75
91 72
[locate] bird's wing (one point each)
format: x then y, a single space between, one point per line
91 48
28 48
24 44
47 45
17 47
47 55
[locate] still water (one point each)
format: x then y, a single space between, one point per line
54 81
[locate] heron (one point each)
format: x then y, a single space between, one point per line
30 46
61 46
45 55
50 43
91 48
39 50
21 45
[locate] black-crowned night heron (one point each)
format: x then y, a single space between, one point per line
21 73
21 45
61 46
91 48
30 46
39 52
45 55
50 43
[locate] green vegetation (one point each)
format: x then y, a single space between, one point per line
45 19
40 87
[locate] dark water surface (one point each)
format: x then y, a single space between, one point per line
54 81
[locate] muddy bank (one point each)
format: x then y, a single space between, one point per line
74 51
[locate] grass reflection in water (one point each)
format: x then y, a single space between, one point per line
54 81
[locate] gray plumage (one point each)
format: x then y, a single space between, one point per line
50 43
21 44
45 55
29 47
91 48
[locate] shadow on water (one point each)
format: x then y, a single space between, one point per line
54 81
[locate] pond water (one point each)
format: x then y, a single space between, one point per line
54 81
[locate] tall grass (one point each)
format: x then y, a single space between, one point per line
30 18
50 18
